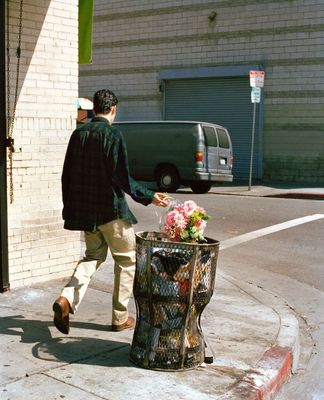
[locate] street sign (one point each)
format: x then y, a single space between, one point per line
255 94
256 83
257 78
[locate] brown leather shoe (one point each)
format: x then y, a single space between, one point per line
61 309
130 323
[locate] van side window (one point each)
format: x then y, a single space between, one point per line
223 139
210 136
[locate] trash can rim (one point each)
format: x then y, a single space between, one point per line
158 236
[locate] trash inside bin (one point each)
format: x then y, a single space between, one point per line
173 283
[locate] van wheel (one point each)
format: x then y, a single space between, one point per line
200 187
167 179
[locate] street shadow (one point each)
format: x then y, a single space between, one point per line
84 350
68 349
30 331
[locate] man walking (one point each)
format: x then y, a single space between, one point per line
95 179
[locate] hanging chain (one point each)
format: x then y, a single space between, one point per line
11 117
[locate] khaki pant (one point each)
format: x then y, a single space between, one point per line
119 237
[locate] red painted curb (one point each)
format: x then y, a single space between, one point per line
269 374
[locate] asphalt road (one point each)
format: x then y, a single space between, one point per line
288 262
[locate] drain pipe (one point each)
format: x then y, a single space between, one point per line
4 270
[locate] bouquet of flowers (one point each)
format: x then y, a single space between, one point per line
186 222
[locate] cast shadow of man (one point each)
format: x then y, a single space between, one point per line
68 349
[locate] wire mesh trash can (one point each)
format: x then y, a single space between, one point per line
173 283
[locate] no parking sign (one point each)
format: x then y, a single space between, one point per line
257 79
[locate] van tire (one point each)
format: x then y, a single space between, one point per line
200 187
167 179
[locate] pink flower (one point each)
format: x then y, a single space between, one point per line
176 219
201 225
189 207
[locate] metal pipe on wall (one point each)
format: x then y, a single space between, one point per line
4 269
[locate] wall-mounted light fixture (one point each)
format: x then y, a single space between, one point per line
212 16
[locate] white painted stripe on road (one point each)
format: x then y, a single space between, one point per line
225 244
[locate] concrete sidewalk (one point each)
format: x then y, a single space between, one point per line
252 335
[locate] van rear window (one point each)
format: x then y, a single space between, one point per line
223 139
210 135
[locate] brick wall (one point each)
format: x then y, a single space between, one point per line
134 40
39 248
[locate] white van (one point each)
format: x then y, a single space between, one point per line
172 153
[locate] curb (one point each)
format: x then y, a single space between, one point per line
282 195
279 361
264 381
296 195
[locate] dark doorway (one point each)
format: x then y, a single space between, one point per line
4 275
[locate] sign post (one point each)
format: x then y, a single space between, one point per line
256 83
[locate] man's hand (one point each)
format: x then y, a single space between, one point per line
160 199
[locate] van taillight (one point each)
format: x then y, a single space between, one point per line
232 161
199 156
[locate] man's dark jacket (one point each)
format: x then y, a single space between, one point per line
96 176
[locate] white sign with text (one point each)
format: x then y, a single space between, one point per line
257 78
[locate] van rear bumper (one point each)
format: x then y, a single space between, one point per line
212 177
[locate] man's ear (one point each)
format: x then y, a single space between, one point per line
112 114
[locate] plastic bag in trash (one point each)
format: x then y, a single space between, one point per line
162 212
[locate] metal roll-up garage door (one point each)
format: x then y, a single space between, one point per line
224 101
